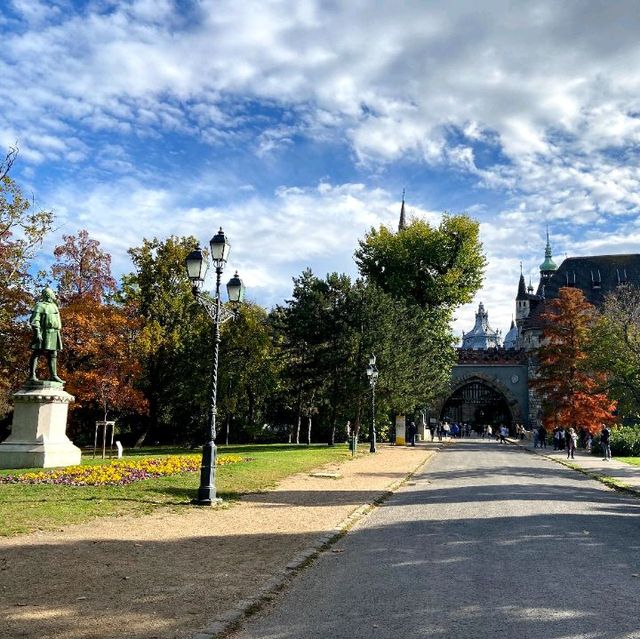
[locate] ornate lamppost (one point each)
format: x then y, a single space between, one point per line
196 270
372 374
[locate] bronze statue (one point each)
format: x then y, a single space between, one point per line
46 325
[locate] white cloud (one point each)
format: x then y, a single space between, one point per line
536 102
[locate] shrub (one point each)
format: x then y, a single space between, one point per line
625 442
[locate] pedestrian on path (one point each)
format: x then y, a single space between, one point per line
588 442
604 442
412 430
432 429
489 431
542 437
503 434
572 442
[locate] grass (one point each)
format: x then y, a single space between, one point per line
635 461
26 508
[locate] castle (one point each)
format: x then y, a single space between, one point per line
490 382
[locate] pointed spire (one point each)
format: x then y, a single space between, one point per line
548 266
403 222
530 287
522 289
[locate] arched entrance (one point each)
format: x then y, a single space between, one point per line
478 402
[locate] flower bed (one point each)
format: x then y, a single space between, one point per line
117 473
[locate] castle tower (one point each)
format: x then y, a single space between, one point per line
547 268
522 301
481 336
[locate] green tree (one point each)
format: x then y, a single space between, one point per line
614 347
430 272
175 338
248 375
328 330
436 268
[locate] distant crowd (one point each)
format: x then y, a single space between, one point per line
562 439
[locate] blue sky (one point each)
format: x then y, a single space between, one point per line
296 125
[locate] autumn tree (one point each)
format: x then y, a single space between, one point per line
101 357
572 392
22 230
82 269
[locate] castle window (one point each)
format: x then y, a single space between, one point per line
571 278
622 276
596 280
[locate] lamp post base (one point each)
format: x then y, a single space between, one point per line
207 491
206 501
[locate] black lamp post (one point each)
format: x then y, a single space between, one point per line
372 374
196 270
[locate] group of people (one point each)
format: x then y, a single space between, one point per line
568 440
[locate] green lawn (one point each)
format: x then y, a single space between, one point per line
630 460
25 508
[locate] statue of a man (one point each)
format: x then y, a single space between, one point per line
46 325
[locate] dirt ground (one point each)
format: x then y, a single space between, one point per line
169 574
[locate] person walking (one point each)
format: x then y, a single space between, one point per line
542 437
489 431
588 441
572 442
412 430
503 434
432 429
605 436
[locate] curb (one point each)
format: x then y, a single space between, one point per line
610 482
231 620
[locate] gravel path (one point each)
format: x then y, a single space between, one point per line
488 541
170 574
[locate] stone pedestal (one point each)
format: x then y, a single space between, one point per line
38 438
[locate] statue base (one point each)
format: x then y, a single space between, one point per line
38 438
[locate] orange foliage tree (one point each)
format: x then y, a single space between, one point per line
572 394
100 360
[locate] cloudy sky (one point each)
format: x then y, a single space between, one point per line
295 124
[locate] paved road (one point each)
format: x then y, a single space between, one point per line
488 541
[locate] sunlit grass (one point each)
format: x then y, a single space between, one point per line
635 461
25 508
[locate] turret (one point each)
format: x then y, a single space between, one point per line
522 300
511 338
548 267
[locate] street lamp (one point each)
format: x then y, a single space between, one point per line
372 374
196 271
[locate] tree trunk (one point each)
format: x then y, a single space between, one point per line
298 427
228 428
309 421
332 434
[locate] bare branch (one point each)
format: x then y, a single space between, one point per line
9 159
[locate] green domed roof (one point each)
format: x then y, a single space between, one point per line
548 264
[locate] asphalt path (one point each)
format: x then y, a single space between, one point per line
487 541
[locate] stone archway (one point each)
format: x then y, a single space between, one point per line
480 399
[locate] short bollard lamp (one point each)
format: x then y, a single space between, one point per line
372 374
196 270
